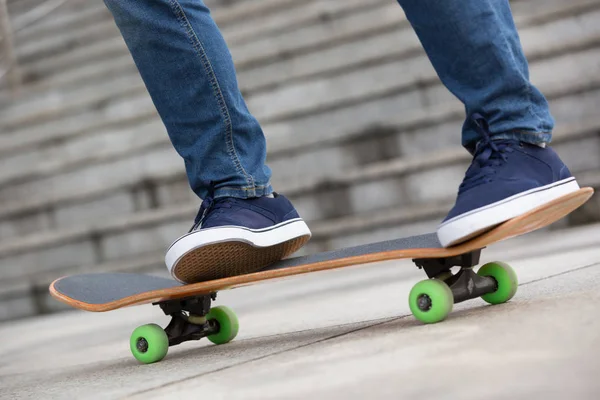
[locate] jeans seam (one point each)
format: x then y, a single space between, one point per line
243 192
527 88
200 51
244 188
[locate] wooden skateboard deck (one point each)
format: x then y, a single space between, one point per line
430 300
110 291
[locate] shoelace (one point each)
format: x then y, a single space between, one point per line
209 203
489 154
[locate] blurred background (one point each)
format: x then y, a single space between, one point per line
357 123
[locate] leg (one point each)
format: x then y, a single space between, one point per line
475 49
241 227
189 73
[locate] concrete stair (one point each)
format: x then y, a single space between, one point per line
362 136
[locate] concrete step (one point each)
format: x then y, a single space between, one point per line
16 8
68 16
39 48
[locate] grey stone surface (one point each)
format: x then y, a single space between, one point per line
98 178
360 343
288 17
44 260
25 224
16 300
114 205
62 41
65 16
88 74
435 184
429 138
366 196
569 109
381 232
326 92
116 112
176 191
552 36
144 239
55 104
368 49
94 52
581 155
100 146
312 164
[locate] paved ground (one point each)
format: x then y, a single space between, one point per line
343 334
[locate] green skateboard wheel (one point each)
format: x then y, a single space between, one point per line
430 301
506 279
149 343
228 324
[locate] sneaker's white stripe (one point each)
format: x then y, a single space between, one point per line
463 226
268 228
258 238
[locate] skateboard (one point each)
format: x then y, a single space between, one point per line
430 300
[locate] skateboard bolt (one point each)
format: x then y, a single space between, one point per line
424 302
142 345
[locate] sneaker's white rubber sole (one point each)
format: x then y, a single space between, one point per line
208 253
468 225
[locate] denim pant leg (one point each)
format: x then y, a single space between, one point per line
190 75
476 51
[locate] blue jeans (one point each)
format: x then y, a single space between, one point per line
187 68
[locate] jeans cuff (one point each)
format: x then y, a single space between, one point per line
527 137
244 192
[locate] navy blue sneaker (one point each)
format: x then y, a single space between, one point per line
234 236
507 178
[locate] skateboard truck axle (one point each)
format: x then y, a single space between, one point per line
188 320
181 329
465 284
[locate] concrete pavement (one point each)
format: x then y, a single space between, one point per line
342 334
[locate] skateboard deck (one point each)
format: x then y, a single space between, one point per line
110 291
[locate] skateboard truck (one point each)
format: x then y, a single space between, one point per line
192 318
188 318
465 284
